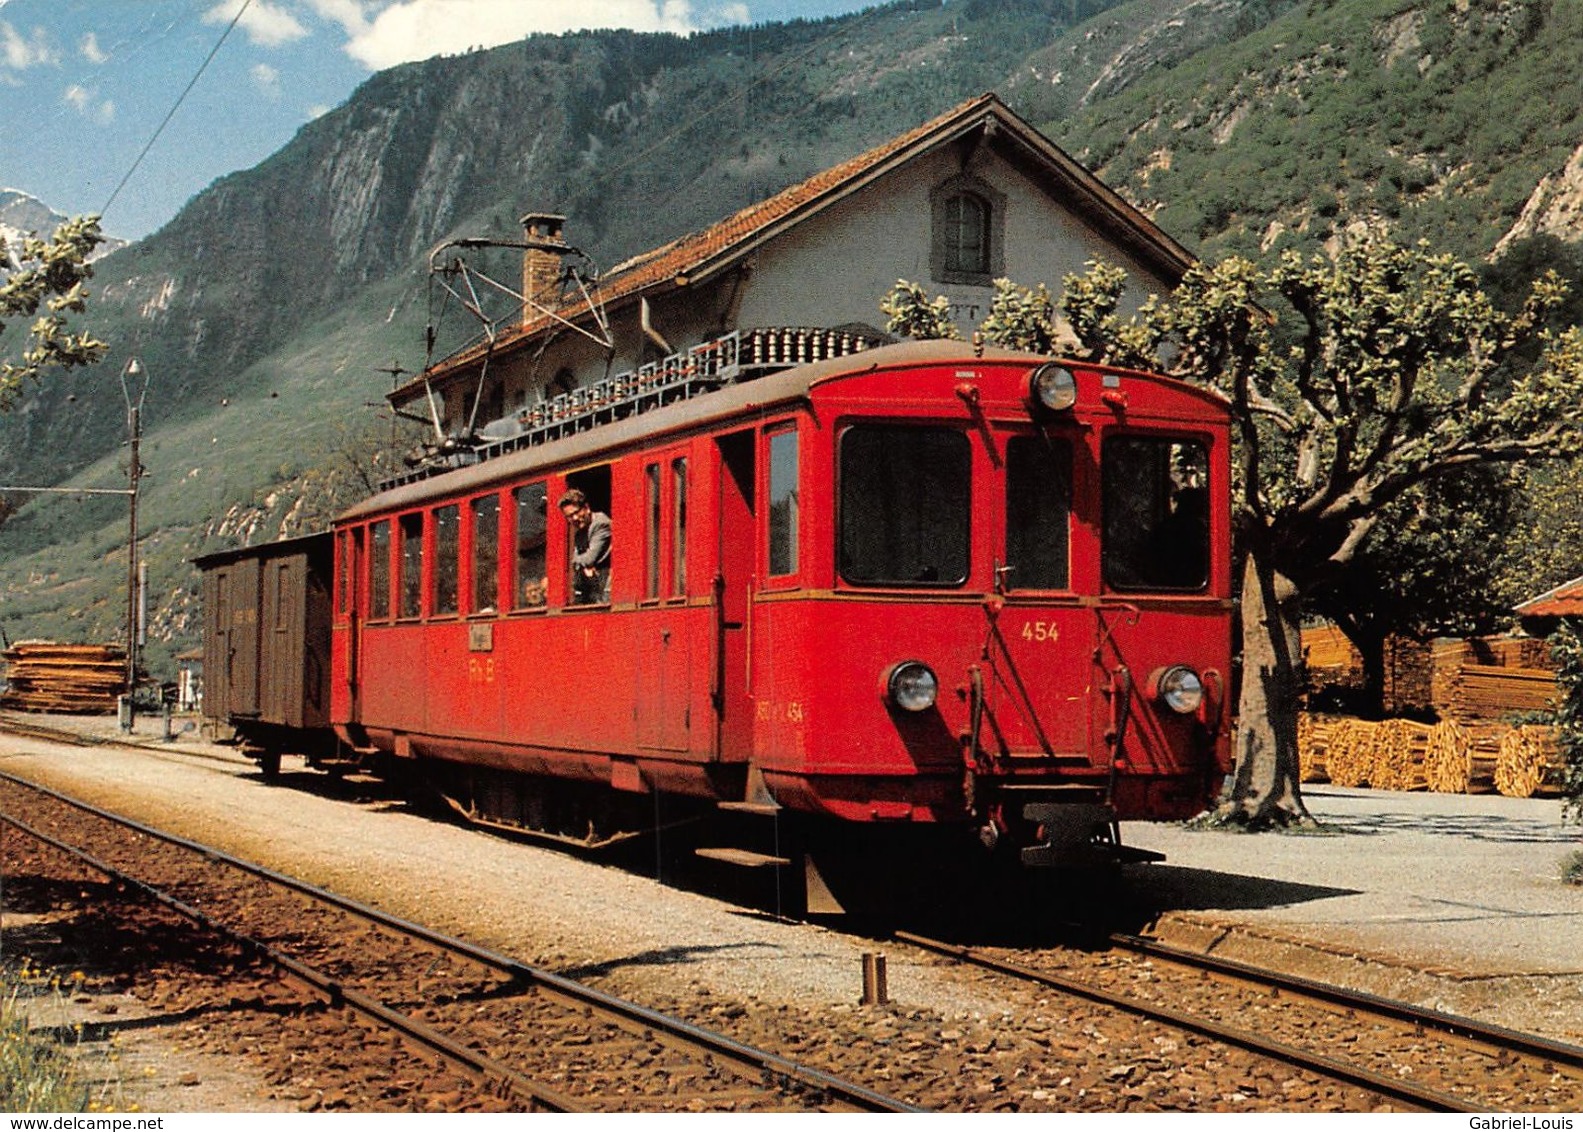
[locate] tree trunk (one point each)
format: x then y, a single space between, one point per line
1263 791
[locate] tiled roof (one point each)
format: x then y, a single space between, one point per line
702 252
1566 600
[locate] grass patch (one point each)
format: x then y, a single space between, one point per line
37 1073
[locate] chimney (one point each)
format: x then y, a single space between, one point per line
541 260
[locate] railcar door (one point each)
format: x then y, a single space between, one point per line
1038 657
733 584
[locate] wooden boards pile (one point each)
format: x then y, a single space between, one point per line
1449 757
46 676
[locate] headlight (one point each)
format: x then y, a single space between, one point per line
911 685
1053 387
1179 689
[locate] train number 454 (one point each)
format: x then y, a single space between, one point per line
1039 631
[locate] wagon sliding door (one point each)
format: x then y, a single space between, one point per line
732 586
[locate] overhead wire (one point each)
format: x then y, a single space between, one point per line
182 97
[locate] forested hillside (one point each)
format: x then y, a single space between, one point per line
265 312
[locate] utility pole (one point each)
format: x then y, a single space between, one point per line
134 471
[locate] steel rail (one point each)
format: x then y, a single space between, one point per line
1391 1087
739 1054
1455 1025
492 1073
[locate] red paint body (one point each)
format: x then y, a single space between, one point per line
715 667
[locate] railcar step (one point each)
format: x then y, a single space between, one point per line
768 809
742 857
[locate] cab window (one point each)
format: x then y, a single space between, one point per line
904 505
1038 513
1156 513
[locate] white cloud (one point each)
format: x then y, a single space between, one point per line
266 78
266 24
88 104
20 52
409 30
90 50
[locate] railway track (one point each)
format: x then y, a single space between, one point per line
1410 1056
525 1038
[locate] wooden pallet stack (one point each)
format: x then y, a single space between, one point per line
46 676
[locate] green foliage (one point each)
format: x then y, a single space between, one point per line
913 314
51 274
1020 318
1566 651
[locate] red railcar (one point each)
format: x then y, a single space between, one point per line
986 595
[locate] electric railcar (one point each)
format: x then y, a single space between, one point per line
916 592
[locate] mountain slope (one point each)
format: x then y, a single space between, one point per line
266 310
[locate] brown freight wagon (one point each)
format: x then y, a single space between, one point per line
266 646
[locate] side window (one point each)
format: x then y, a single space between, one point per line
530 574
379 570
410 583
1156 521
905 506
343 571
1038 513
592 537
447 559
679 527
784 502
486 552
651 531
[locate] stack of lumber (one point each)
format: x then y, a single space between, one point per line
1313 740
1529 762
1399 749
1486 691
1409 676
1330 659
1349 754
74 679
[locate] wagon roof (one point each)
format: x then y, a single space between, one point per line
318 542
764 393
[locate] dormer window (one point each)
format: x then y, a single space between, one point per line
968 220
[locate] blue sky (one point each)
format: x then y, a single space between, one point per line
85 84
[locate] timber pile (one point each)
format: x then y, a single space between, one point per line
1409 676
1448 757
46 676
1491 678
1529 762
1399 749
1313 740
1330 659
1349 754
